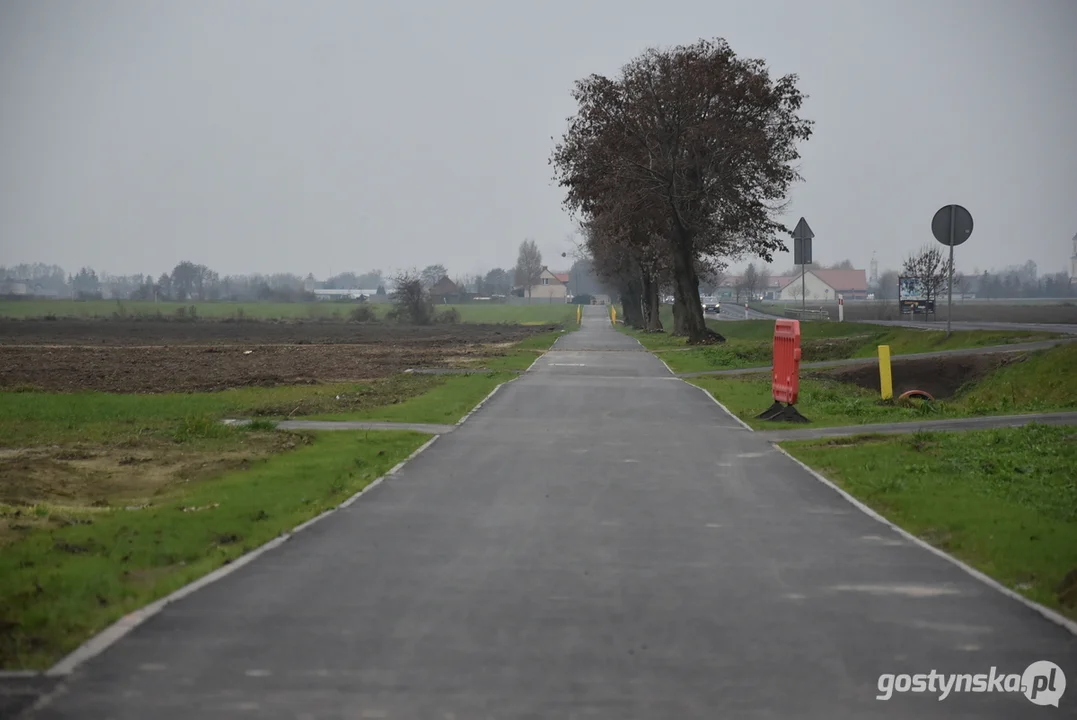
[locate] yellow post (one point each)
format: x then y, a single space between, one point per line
886 382
579 313
613 314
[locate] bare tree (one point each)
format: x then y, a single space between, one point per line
431 274
528 265
750 281
764 280
931 267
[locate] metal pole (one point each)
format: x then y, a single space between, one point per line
803 286
950 273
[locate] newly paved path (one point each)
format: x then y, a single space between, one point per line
599 541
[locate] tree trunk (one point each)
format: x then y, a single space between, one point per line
678 315
651 320
686 284
631 306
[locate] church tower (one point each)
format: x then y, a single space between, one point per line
875 264
1073 262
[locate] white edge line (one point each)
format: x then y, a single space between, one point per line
102 640
989 581
706 392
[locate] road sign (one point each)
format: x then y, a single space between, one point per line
951 225
802 236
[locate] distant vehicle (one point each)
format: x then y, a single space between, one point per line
711 306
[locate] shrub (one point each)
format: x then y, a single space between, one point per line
362 313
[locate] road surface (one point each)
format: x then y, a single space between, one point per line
600 540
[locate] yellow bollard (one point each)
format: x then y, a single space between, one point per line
579 314
613 315
886 382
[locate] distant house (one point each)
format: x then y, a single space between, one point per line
768 289
550 288
14 287
445 291
827 285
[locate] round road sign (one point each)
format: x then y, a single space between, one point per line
952 225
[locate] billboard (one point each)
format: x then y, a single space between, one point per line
913 296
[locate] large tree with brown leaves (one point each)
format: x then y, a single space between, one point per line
697 140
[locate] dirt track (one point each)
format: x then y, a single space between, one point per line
115 356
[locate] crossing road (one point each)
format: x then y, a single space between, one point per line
600 540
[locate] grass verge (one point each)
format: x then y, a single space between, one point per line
29 418
1045 381
750 343
445 403
73 570
1004 501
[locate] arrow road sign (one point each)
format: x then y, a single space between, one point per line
802 236
802 231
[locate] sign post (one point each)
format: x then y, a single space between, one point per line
802 236
951 226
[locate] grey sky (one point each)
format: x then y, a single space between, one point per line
329 135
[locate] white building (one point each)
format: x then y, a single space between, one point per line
549 288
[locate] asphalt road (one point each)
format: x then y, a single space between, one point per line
600 540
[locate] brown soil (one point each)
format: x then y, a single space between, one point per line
121 356
941 377
210 332
85 480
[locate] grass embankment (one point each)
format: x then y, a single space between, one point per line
750 343
1045 381
537 314
1004 501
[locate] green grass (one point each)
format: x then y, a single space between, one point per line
1004 501
1045 381
537 314
750 343
61 585
445 403
30 418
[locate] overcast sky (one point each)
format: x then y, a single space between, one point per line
329 135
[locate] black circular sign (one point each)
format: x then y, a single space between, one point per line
952 219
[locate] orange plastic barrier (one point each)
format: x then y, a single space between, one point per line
785 382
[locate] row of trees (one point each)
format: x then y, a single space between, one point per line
675 168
